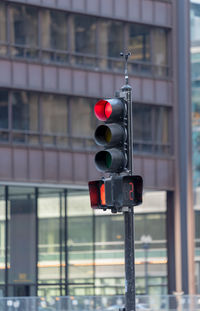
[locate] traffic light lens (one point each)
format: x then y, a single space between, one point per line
102 110
108 160
108 135
103 160
108 109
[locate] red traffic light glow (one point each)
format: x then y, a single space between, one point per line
103 110
97 194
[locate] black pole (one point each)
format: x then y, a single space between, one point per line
129 261
146 269
129 213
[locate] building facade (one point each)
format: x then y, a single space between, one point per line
195 74
56 59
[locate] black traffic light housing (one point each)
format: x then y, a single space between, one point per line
112 135
121 189
116 192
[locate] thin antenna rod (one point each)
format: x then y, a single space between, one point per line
126 56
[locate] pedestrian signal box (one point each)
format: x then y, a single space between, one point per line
116 192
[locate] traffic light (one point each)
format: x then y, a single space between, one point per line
112 135
116 192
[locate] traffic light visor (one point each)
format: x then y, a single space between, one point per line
94 193
97 194
103 110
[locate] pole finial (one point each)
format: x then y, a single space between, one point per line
126 56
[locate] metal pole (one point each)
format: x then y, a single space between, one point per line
129 261
129 215
146 269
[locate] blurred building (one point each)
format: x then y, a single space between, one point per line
195 74
56 59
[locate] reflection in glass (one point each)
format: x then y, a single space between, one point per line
80 242
25 111
139 42
82 116
24 25
155 136
2 22
2 236
142 114
55 114
24 30
110 44
109 248
54 30
195 21
84 37
22 236
160 46
162 126
48 292
3 109
51 247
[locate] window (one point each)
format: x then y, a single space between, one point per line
82 116
3 33
80 243
54 30
111 38
25 111
22 240
51 242
139 42
24 30
195 22
2 236
3 109
25 117
84 38
84 41
142 115
54 114
155 136
2 22
159 53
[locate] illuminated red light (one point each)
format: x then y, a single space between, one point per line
103 110
108 109
103 194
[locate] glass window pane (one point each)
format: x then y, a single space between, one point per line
110 44
24 25
22 238
25 111
195 21
2 236
84 36
2 22
51 247
3 109
139 42
80 238
155 136
162 125
160 46
55 114
82 117
109 247
54 30
142 115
